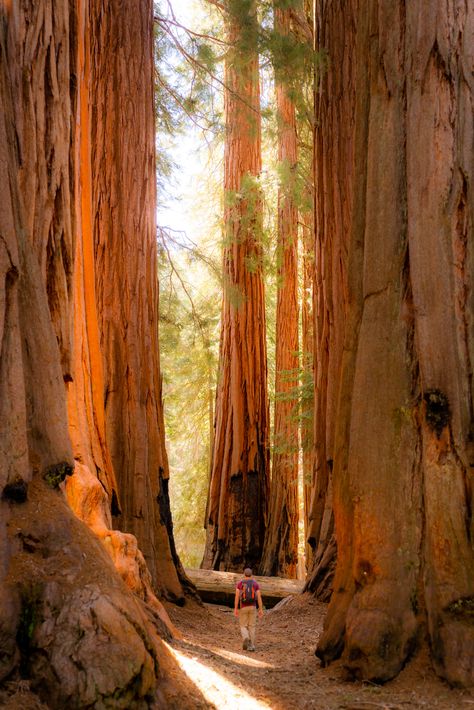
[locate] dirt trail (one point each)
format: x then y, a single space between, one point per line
283 673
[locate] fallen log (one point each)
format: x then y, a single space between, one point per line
219 587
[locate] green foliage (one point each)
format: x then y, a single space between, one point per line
189 92
189 337
300 395
243 13
55 475
462 608
243 222
185 81
233 294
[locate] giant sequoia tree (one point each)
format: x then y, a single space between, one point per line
115 395
402 446
280 555
237 501
333 214
126 286
68 611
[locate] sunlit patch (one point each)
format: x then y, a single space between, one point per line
239 658
231 656
215 688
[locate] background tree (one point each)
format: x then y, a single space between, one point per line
189 333
402 446
238 489
189 106
307 371
280 556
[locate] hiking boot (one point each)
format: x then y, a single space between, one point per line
245 644
251 648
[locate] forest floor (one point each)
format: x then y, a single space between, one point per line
284 673
207 669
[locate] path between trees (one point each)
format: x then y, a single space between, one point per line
283 673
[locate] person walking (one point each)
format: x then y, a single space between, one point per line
247 596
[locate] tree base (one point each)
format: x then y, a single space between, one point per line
321 578
74 630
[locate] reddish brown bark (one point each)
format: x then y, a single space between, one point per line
60 594
402 452
238 489
30 247
86 391
280 556
126 284
93 490
307 370
333 179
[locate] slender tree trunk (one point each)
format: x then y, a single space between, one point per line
307 369
237 500
302 16
333 178
211 396
280 557
403 442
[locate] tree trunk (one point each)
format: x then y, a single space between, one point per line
280 556
219 587
60 593
333 178
126 283
302 15
237 500
307 370
403 443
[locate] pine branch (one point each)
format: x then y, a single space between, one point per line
193 249
197 319
180 103
191 33
192 61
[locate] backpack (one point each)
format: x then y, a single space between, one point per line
247 593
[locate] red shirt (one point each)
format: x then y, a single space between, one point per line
256 588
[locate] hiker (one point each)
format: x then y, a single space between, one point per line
247 594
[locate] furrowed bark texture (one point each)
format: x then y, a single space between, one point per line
307 365
280 556
86 391
333 178
126 283
307 231
65 610
238 490
403 443
28 342
93 490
